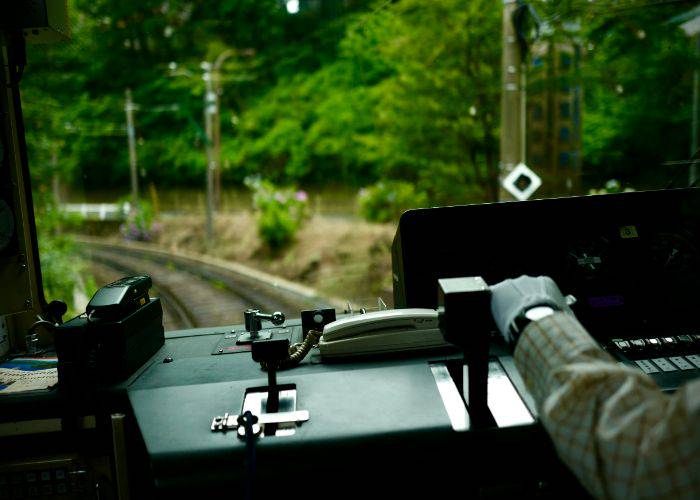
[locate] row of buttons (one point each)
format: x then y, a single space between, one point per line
679 344
32 477
33 491
672 364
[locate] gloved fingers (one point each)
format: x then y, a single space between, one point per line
512 296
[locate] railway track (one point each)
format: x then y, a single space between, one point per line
196 293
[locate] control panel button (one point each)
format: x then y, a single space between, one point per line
681 363
60 474
647 366
664 364
669 341
61 488
638 343
685 340
31 477
695 359
45 475
623 345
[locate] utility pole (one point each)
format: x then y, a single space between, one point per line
131 135
694 171
210 110
216 131
55 181
512 97
216 75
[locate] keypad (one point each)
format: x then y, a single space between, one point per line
36 483
661 354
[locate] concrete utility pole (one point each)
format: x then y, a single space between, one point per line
216 75
694 171
210 110
512 99
131 135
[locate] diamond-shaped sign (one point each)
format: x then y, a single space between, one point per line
521 182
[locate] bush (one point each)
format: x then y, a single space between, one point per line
140 224
281 211
611 186
387 200
65 273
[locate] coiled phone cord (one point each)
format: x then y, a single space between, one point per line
297 352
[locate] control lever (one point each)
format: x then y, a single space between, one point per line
271 352
465 320
253 325
262 414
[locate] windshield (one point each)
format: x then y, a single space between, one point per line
248 153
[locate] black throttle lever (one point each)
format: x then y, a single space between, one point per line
465 320
272 352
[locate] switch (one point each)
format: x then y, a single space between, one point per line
647 366
664 364
681 363
653 343
622 345
695 359
684 339
638 345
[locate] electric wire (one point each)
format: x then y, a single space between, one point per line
297 352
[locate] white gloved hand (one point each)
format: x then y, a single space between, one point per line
512 297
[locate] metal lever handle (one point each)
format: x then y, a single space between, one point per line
254 319
464 315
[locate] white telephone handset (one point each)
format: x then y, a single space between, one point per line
393 330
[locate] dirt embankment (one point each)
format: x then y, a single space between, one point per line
345 258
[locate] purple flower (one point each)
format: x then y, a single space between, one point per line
301 196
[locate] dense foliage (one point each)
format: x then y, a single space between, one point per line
348 92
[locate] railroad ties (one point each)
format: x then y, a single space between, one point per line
195 294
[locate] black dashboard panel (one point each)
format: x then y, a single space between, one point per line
632 260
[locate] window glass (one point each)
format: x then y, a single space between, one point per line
258 153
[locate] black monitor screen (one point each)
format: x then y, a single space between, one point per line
631 259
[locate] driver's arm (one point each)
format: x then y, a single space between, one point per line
611 424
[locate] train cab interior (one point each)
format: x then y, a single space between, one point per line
234 235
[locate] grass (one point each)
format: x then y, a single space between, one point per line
346 258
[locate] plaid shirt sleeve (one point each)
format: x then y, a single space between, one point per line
610 423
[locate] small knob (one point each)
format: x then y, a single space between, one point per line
277 318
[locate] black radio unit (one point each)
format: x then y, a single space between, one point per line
120 331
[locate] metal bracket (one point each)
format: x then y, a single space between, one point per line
230 421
